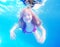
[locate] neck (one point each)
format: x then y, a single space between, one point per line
28 24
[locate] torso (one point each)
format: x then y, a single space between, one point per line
30 28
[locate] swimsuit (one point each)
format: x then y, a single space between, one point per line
34 29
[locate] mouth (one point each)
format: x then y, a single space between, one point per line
28 19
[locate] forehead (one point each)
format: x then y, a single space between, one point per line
27 11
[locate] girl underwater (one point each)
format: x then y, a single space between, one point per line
29 23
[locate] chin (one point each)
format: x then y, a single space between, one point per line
28 21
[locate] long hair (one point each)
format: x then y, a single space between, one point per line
35 20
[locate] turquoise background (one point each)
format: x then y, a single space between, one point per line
49 14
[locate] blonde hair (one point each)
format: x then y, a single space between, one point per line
35 20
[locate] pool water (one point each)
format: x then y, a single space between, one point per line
49 14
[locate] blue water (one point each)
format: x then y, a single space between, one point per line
50 16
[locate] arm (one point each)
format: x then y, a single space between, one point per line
43 36
38 5
40 37
43 2
12 33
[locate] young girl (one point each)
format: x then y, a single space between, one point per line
29 23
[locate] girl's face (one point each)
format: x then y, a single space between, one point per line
27 17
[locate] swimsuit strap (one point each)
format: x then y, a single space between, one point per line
34 29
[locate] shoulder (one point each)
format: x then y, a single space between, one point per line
18 26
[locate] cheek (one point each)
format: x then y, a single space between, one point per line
31 17
24 19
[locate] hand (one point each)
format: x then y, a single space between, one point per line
12 35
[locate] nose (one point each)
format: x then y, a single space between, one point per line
27 16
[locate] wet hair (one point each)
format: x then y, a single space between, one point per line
35 20
31 3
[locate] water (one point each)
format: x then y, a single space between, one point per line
49 14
